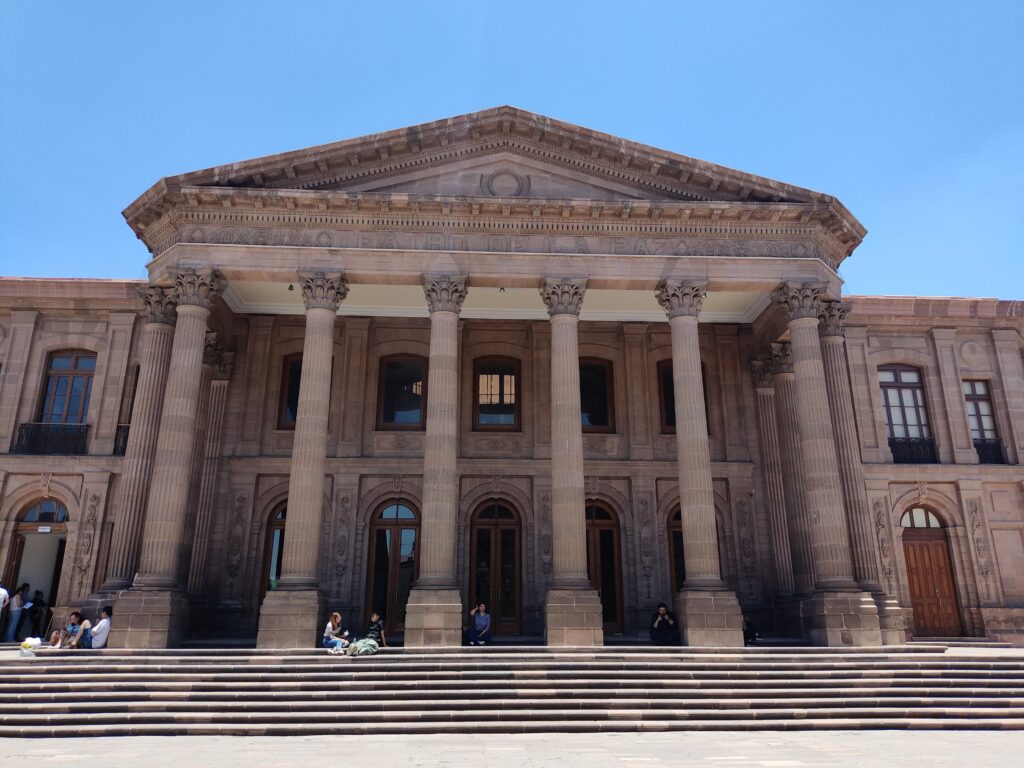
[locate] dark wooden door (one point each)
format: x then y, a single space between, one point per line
604 565
932 589
494 571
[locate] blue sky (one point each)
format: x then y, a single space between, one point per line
912 113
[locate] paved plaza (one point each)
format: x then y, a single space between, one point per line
836 749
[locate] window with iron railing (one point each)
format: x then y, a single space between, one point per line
906 416
978 403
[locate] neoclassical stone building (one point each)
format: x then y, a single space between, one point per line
501 357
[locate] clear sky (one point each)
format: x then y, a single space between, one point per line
911 113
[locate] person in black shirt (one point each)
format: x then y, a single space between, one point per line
376 630
664 626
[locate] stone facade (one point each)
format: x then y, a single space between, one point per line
506 234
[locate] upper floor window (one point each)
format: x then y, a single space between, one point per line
596 403
44 511
906 417
402 394
291 378
496 397
68 387
978 402
667 397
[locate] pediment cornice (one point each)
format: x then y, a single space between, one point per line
334 168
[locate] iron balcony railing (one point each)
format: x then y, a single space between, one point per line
913 450
990 451
57 439
121 439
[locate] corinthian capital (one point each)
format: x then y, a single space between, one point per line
563 296
832 318
782 359
323 291
198 288
800 299
445 293
760 371
217 357
682 298
161 306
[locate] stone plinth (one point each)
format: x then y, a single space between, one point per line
891 619
291 618
573 617
149 619
710 618
433 617
842 618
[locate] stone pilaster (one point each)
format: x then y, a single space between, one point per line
1007 343
130 504
837 614
434 611
154 613
709 612
572 608
291 615
774 486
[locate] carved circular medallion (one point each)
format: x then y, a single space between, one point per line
504 182
972 354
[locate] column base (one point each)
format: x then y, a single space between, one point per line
149 619
573 617
433 618
891 619
710 618
291 618
842 618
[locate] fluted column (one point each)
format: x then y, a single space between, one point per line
220 361
130 506
572 609
434 611
774 486
564 299
791 455
837 379
168 492
833 565
709 612
682 301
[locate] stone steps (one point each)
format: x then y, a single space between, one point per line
228 692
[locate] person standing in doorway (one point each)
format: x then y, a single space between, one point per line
5 598
480 632
18 603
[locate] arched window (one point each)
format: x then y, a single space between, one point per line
44 511
402 393
906 417
68 387
597 402
919 517
496 401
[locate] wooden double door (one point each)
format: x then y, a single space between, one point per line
494 573
932 588
604 564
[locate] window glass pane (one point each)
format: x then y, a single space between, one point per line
893 397
966 385
988 423
907 397
886 377
919 518
980 387
913 430
933 521
406 570
985 407
910 377
496 386
292 382
276 550
668 396
905 521
403 392
594 392
86 364
62 363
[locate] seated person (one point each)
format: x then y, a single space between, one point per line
664 627
367 646
94 636
480 632
334 635
67 637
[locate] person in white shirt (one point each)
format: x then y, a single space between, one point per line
4 599
334 635
95 636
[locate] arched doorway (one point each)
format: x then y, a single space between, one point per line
37 556
930 575
604 563
273 550
494 557
393 562
676 561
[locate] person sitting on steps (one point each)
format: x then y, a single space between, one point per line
664 626
369 645
334 635
480 632
67 637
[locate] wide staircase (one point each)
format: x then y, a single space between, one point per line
509 690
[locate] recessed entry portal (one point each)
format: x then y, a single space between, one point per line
604 563
394 564
37 557
495 556
930 575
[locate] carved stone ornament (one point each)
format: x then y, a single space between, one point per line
760 372
215 355
682 298
323 291
832 318
161 304
197 288
445 293
800 299
210 348
563 296
782 358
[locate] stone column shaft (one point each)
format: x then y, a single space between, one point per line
169 487
858 512
130 506
775 489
